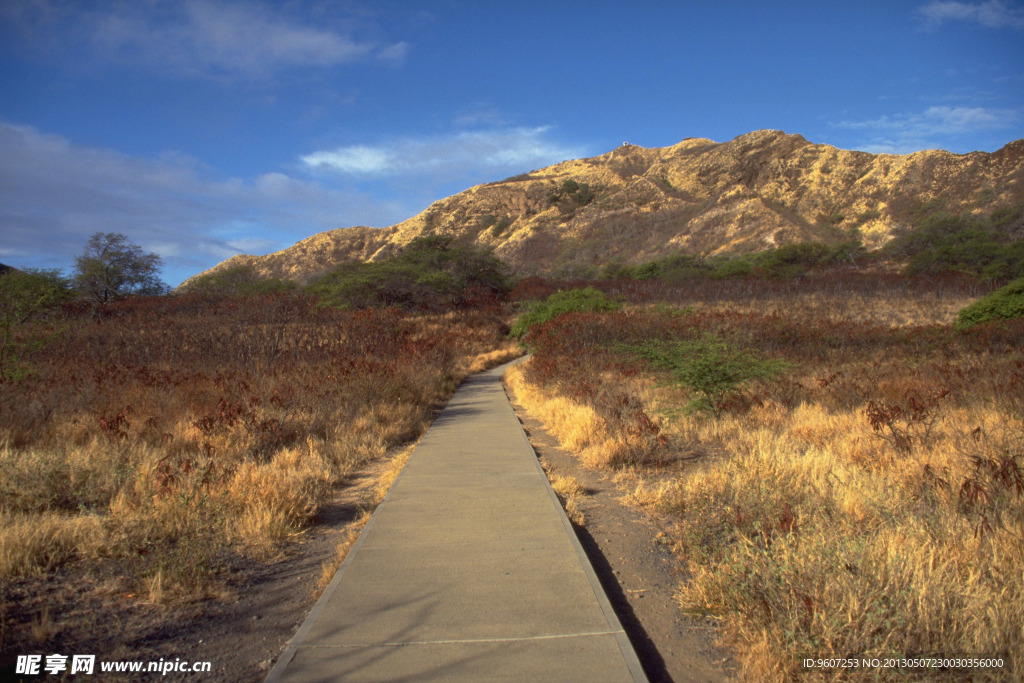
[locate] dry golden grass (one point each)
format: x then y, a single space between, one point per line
390 473
329 568
175 430
878 298
569 492
808 532
902 307
807 550
577 426
34 543
509 350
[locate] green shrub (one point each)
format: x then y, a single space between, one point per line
25 295
708 366
646 271
735 266
500 225
791 260
571 195
867 216
673 267
967 244
1002 304
834 218
430 272
1008 217
614 270
535 313
239 280
788 261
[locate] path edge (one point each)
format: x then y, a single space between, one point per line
633 664
295 644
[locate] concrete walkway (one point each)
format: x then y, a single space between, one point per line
469 570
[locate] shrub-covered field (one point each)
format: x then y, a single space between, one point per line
840 463
168 434
842 468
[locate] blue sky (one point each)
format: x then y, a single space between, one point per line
201 128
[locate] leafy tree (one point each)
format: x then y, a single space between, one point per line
113 268
25 295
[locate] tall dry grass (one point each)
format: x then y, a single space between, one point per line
168 435
869 502
875 297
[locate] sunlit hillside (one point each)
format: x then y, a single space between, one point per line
633 204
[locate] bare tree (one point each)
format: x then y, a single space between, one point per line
112 268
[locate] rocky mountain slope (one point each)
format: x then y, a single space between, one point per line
634 204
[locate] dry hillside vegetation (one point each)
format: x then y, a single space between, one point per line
162 439
841 468
761 190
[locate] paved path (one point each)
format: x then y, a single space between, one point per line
469 570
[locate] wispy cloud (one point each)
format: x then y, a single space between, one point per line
357 159
932 128
54 194
199 37
446 157
991 14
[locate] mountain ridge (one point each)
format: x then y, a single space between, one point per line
634 204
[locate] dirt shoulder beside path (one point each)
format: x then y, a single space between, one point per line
638 574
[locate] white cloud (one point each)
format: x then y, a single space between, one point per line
357 160
393 53
54 194
451 156
932 128
199 37
941 120
991 14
